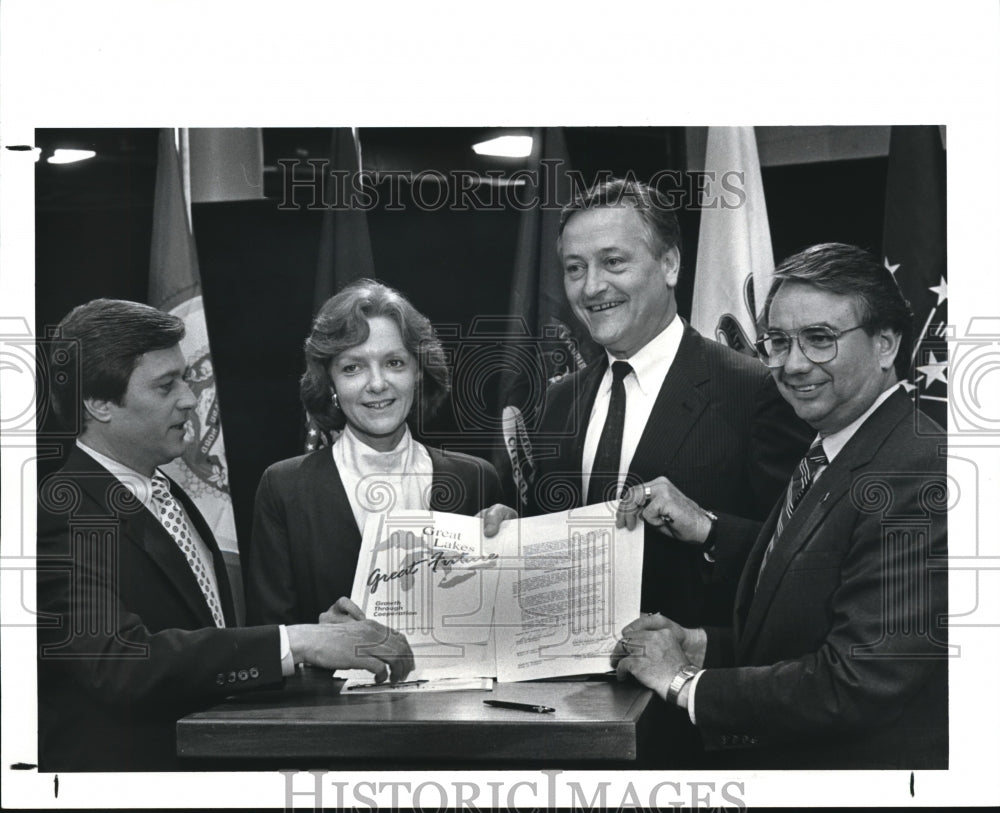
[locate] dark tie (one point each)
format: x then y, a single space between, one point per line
604 476
814 460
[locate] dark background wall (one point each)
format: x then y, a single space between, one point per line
258 263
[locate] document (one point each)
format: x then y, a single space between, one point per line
568 584
546 597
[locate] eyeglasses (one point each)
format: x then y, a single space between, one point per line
818 343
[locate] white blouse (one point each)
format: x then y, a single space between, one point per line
377 482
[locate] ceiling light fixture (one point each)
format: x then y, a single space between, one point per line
506 146
70 156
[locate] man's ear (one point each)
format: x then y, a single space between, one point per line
98 408
887 342
670 262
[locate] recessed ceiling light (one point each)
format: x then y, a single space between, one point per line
70 156
506 146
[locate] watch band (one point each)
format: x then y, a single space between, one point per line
708 546
688 671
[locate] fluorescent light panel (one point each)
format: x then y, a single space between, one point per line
70 156
508 146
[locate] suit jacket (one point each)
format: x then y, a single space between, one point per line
305 544
720 432
840 651
127 643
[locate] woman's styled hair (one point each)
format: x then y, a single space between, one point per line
342 323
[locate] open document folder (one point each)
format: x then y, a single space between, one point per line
546 597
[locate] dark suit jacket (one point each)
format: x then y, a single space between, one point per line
842 645
305 543
720 432
127 643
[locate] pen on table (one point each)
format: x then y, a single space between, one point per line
386 685
507 704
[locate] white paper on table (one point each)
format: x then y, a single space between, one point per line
353 687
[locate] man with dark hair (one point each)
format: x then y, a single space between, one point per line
136 620
698 428
837 654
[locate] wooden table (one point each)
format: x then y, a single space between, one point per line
310 722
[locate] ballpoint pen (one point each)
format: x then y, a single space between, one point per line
507 704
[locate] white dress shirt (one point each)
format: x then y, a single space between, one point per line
650 365
376 481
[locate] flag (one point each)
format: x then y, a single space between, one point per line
735 261
915 250
546 340
345 247
175 286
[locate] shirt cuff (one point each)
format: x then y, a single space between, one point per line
690 698
287 663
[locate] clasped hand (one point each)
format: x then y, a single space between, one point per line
654 649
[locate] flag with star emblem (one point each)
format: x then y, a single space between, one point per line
175 287
735 259
915 250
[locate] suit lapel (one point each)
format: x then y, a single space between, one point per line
218 560
679 404
332 495
163 550
140 528
447 478
748 578
815 506
832 486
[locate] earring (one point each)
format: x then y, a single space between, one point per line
336 403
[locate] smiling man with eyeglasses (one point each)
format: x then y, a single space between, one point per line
837 656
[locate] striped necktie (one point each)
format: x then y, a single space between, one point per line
172 518
808 468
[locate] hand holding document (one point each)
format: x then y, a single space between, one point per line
546 597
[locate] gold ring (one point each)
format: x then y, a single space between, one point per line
667 519
647 494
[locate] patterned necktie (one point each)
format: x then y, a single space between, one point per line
172 518
604 475
814 460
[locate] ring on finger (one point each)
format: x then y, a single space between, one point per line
667 519
647 495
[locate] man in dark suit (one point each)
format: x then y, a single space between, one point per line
702 426
837 654
136 620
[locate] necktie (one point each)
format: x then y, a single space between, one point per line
814 460
604 475
172 518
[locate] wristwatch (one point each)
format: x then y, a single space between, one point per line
708 546
687 672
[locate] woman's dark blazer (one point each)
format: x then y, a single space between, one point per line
305 542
